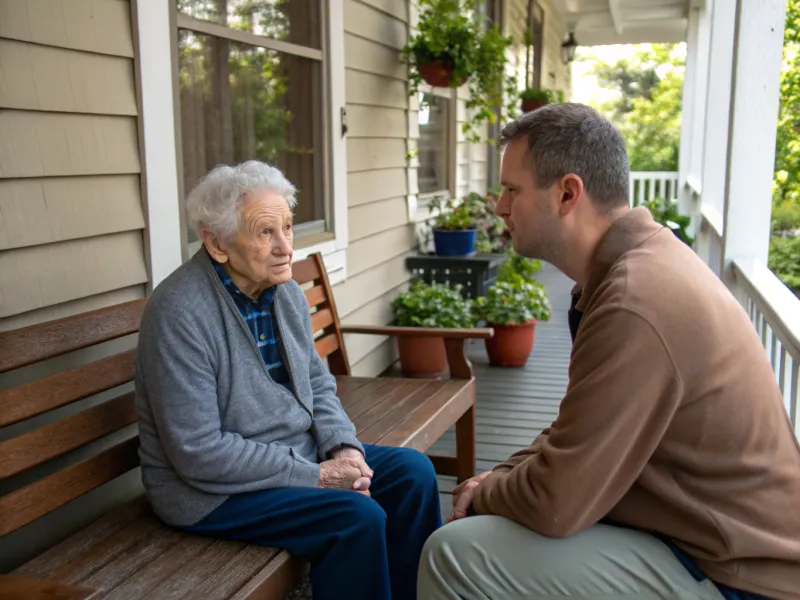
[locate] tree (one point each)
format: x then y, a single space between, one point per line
647 110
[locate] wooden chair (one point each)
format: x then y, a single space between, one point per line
128 553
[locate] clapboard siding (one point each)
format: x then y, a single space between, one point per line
374 90
378 312
100 26
380 184
369 252
54 79
40 276
40 144
367 154
71 210
46 210
365 21
365 287
371 57
376 217
376 122
395 8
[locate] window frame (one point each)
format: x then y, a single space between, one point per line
422 212
332 244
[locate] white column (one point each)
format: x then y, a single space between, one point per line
757 54
685 199
154 52
700 94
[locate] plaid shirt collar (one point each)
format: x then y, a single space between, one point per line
242 300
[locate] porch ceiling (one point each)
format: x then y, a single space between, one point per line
602 22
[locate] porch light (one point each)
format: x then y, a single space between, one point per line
568 48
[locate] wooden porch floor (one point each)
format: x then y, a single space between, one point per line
514 405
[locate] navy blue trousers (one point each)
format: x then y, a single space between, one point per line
358 547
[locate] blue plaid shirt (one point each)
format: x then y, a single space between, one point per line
257 314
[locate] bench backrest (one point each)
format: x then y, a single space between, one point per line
23 453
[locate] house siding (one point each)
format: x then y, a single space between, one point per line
71 213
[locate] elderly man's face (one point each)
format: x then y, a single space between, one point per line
260 255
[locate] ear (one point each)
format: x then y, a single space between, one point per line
571 193
214 247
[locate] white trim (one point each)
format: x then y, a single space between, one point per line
700 93
163 234
694 185
717 110
688 95
713 217
337 102
757 60
252 39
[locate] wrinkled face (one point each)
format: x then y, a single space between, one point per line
530 212
260 255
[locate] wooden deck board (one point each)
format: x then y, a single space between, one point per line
514 405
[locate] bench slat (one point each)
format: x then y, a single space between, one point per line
321 319
27 504
37 397
13 587
28 345
36 447
327 345
274 581
372 387
354 409
228 579
376 406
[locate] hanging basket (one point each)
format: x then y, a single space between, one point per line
438 73
529 105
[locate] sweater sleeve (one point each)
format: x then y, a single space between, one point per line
623 392
178 373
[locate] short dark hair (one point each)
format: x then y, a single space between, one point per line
575 138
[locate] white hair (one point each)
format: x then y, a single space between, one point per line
214 202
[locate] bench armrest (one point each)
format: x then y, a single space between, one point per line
442 332
460 367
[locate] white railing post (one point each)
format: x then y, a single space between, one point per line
757 57
685 198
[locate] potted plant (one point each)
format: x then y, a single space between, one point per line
533 98
512 310
428 305
451 48
518 269
454 227
493 237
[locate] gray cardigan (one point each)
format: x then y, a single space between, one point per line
212 421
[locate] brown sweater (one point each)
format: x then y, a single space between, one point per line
672 422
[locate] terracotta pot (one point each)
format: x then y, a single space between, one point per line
422 356
438 73
529 105
511 344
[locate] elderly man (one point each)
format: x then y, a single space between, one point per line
672 431
242 435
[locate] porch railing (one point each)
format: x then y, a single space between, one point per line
647 185
775 312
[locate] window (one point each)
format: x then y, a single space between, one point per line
434 145
252 79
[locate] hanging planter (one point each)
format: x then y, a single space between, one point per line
439 73
533 98
451 49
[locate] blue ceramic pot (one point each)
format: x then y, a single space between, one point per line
455 243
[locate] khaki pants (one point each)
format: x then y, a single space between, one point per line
494 558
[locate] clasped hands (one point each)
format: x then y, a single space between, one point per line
462 496
346 470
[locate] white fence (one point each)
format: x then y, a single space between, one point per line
775 312
647 185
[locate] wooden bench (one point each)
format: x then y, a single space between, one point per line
128 553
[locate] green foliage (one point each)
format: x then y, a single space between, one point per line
509 303
541 94
448 31
452 215
493 237
648 110
786 184
518 269
432 305
784 260
667 214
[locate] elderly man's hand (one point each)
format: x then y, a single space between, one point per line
462 496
